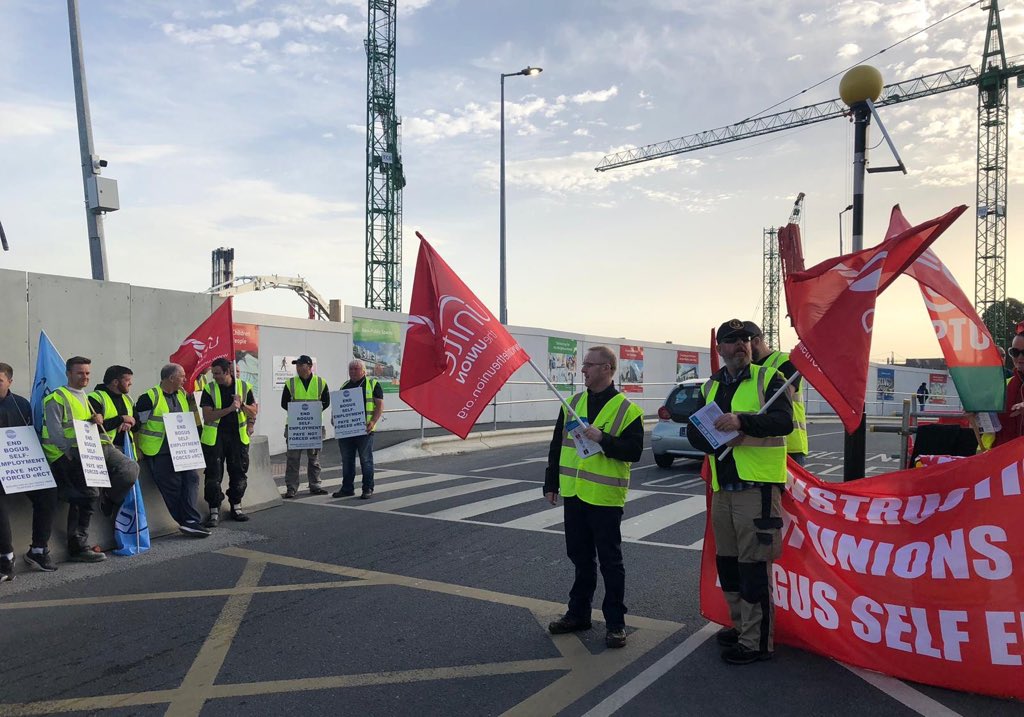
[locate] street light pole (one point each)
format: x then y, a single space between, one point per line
848 208
502 281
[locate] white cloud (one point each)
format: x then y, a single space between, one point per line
581 132
595 95
232 34
807 18
849 50
794 58
633 127
35 119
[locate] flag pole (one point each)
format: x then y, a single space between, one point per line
555 391
767 405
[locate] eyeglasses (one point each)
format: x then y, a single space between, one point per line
1014 353
735 340
587 364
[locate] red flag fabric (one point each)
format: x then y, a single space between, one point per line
457 356
832 308
971 355
212 339
916 573
716 363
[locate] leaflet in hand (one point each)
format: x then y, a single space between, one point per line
704 420
584 446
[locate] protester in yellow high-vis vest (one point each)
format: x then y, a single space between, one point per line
61 409
593 479
228 404
373 400
179 489
304 386
762 354
747 484
110 399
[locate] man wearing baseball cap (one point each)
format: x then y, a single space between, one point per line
763 355
747 484
304 386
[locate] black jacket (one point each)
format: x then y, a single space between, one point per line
776 421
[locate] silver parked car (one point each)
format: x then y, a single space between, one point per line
668 439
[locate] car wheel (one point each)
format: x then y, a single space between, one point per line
664 460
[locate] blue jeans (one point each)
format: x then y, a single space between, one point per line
349 447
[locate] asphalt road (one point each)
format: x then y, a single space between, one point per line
431 598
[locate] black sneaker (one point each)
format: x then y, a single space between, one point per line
727 636
194 530
237 514
289 495
87 556
317 491
343 494
367 494
41 561
6 569
568 623
739 655
615 637
212 519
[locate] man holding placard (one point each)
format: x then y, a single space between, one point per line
82 458
16 415
228 405
304 429
172 456
361 406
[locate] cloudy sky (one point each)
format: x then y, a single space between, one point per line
241 123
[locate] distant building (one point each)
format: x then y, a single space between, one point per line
936 364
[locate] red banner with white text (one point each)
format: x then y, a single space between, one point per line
918 574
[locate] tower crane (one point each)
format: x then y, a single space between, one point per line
992 81
385 177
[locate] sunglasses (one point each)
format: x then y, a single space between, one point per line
735 340
1014 353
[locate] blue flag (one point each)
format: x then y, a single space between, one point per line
131 529
50 375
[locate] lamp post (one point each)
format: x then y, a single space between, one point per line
848 208
502 284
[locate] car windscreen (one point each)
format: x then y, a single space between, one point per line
683 401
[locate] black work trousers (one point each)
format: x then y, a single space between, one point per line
593 530
44 505
82 499
229 450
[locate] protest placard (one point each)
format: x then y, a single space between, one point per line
183 441
23 465
305 425
348 412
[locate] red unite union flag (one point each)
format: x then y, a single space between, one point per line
832 307
212 339
457 355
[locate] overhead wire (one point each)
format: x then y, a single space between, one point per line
869 57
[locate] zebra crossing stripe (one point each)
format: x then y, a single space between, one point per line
385 486
408 501
652 521
471 510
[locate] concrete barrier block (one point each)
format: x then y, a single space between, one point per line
260 494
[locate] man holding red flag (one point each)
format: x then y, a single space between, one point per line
592 476
1012 418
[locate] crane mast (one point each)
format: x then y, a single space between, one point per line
384 175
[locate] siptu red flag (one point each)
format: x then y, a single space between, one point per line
832 307
457 356
212 339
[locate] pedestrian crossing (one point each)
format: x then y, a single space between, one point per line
651 517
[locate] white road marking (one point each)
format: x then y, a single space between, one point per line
471 510
618 699
510 465
652 521
903 693
408 501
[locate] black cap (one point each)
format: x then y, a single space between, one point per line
752 328
732 328
303 359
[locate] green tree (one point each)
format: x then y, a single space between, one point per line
1002 319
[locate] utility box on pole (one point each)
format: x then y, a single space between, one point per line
101 194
